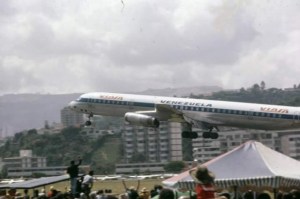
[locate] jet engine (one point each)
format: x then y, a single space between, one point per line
141 120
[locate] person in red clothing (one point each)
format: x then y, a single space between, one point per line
204 180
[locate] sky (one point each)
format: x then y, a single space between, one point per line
67 46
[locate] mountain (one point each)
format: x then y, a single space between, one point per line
27 111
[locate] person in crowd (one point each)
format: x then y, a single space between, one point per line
2 193
11 193
100 194
26 195
263 195
225 194
248 195
42 194
132 192
35 194
295 194
111 197
87 183
79 185
144 194
287 195
155 191
18 195
279 195
93 195
52 192
166 194
204 180
73 171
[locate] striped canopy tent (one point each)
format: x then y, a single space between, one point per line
252 164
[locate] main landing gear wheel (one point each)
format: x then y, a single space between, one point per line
189 134
211 135
88 123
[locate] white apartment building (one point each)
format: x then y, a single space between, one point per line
207 149
290 143
71 118
25 160
27 165
157 145
165 144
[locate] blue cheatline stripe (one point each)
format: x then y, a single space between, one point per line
196 109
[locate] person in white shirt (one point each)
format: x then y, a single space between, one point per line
87 183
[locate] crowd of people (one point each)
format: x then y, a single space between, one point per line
158 192
81 187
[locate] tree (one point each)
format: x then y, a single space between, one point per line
174 166
262 85
32 132
255 88
3 173
46 125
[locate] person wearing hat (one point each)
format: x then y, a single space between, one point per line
204 180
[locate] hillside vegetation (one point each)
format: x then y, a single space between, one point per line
258 94
101 154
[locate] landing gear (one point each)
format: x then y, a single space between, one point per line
210 134
88 122
189 134
187 131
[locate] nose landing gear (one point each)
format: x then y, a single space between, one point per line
89 122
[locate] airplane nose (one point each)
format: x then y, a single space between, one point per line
72 105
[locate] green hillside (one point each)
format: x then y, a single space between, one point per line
101 154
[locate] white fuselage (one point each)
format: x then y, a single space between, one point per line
213 112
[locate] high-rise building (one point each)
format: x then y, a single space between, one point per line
165 144
71 118
155 145
207 149
290 143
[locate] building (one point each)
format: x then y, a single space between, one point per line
165 144
94 133
290 143
71 118
27 165
139 168
155 145
25 160
206 149
47 171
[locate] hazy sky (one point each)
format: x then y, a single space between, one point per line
63 46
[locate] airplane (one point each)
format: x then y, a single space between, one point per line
148 111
